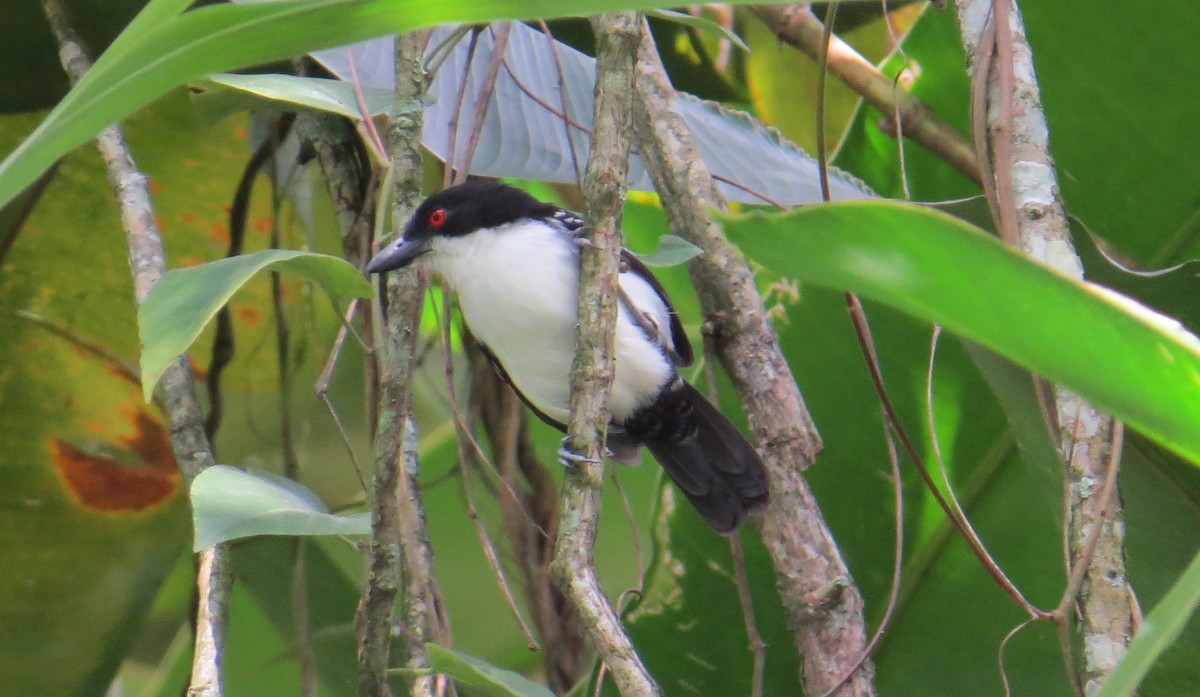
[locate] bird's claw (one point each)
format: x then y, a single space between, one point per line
569 457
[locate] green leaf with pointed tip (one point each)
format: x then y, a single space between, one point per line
936 267
702 23
322 94
229 503
187 299
483 677
671 251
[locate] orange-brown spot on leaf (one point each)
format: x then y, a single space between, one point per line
249 316
101 483
187 217
155 186
97 427
123 371
80 352
241 133
160 222
190 163
218 232
199 371
262 223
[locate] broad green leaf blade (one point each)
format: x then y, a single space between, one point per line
485 678
671 251
1159 630
186 299
323 94
1128 360
229 503
215 38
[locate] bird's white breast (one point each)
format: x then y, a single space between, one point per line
517 287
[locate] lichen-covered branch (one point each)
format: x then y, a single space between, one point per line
176 392
400 559
800 27
1023 188
617 37
824 607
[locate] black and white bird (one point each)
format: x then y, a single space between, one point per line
514 263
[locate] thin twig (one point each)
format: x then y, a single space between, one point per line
1000 654
822 71
758 647
800 27
463 436
897 560
867 345
617 38
322 389
291 458
563 99
456 112
365 113
483 97
176 391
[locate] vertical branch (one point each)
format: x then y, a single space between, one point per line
824 608
591 373
400 559
176 392
1026 199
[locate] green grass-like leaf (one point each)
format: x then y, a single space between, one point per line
322 94
229 503
484 678
185 300
1128 360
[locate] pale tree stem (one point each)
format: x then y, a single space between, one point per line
617 37
1026 201
176 391
824 608
401 561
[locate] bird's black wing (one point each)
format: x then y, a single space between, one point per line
683 355
683 348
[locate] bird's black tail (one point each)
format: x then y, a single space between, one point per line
704 454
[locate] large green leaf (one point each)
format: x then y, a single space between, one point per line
943 270
162 49
93 510
185 300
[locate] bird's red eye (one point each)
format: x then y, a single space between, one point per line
437 217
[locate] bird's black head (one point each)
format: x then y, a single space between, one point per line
458 210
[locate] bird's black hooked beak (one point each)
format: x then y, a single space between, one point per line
397 255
